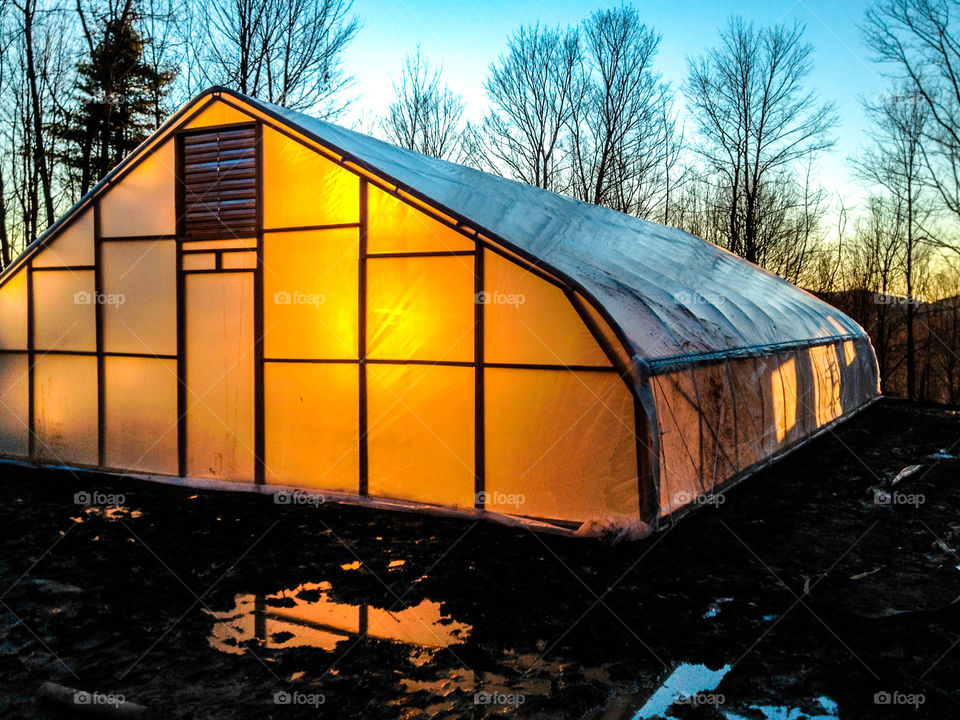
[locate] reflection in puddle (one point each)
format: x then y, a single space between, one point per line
108 512
306 617
684 682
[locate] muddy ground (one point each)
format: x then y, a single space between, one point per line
214 605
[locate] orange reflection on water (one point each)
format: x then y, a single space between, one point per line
306 617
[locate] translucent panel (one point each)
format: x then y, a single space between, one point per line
784 396
715 403
420 308
220 409
559 444
63 310
826 384
201 261
849 353
218 113
752 434
13 312
528 320
310 294
141 414
65 409
238 260
420 429
143 201
395 226
71 246
301 187
312 425
14 404
680 448
140 278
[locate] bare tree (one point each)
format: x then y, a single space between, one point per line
532 90
426 115
28 12
285 51
620 125
919 41
755 121
894 167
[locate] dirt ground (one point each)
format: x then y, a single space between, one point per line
799 596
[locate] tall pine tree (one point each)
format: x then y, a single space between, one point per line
116 92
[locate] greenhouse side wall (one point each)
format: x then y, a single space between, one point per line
719 421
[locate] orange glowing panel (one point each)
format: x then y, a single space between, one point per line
311 294
65 409
71 246
420 308
140 296
679 427
220 351
218 113
560 444
396 226
63 307
141 427
849 352
312 425
784 394
826 383
14 404
143 203
421 432
13 312
302 188
528 320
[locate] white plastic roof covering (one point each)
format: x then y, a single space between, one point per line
676 298
671 293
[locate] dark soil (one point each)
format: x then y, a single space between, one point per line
140 600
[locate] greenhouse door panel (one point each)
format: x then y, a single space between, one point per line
220 404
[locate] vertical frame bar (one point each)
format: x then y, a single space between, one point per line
31 359
362 340
181 314
98 319
479 437
259 418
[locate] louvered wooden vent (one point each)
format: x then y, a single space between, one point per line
220 198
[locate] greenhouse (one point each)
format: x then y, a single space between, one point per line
258 300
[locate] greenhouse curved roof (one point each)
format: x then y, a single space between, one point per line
672 294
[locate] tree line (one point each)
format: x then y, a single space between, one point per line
731 154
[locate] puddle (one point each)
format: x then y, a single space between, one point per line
783 712
305 616
684 682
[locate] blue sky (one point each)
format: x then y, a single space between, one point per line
467 37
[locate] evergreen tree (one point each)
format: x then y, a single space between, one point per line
114 110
